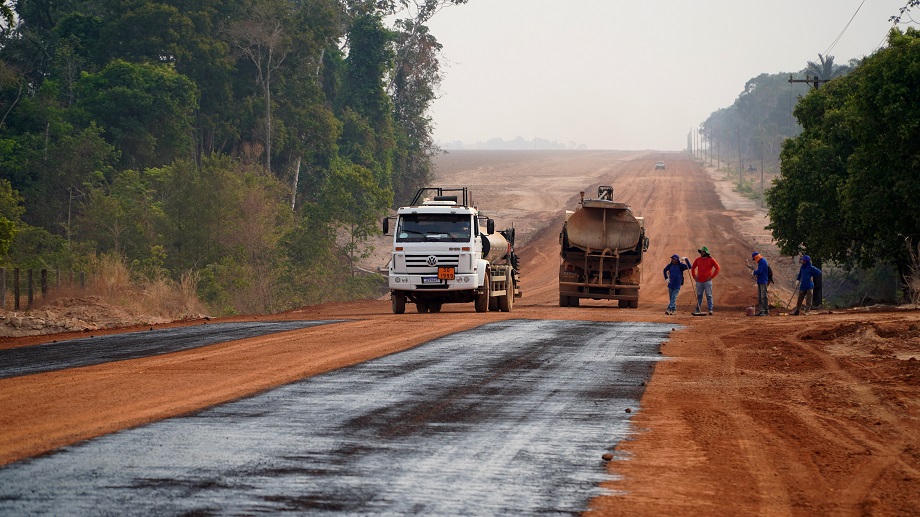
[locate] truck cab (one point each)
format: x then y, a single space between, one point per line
443 252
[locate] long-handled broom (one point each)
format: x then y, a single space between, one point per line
699 299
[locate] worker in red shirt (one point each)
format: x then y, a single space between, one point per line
704 269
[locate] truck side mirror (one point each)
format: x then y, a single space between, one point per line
386 225
490 226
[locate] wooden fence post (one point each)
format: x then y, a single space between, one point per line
44 283
16 289
30 289
2 288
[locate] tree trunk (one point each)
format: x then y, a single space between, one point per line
268 121
296 180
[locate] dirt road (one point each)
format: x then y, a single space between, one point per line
776 416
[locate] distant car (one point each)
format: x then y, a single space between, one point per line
659 166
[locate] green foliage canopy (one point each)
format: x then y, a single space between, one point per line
850 182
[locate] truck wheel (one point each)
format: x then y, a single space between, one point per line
482 299
506 302
633 304
574 301
398 301
622 304
563 300
421 307
434 307
493 303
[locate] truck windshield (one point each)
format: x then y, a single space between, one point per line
434 227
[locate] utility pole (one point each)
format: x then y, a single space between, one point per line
740 164
719 152
814 82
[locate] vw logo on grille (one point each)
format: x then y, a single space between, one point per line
432 260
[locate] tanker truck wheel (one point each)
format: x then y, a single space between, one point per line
398 301
634 304
482 299
506 302
421 307
564 300
434 307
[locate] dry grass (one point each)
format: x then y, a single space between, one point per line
111 282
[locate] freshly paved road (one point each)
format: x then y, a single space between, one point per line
74 353
509 418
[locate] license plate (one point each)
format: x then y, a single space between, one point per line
446 273
431 280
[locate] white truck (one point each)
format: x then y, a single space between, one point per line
446 251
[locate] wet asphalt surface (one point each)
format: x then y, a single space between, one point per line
511 418
90 351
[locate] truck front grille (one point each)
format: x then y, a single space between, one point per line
419 263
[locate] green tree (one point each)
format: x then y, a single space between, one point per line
848 186
882 113
262 39
10 212
416 78
356 203
365 107
146 110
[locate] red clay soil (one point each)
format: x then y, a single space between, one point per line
807 415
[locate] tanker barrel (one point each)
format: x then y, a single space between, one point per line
499 247
599 227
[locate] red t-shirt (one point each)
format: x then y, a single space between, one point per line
705 269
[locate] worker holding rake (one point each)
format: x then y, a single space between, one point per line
807 273
704 270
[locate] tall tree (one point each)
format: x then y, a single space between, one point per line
849 181
263 40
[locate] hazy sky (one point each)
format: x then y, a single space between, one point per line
617 74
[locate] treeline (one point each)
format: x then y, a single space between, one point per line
752 130
253 143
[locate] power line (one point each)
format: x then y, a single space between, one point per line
845 28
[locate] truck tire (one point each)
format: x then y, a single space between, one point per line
563 300
506 302
434 307
493 303
633 304
421 307
622 304
574 301
482 299
398 302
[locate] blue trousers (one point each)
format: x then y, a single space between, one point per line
704 287
672 297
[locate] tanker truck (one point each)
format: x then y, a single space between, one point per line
602 246
446 251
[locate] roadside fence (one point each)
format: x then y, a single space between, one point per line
14 282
